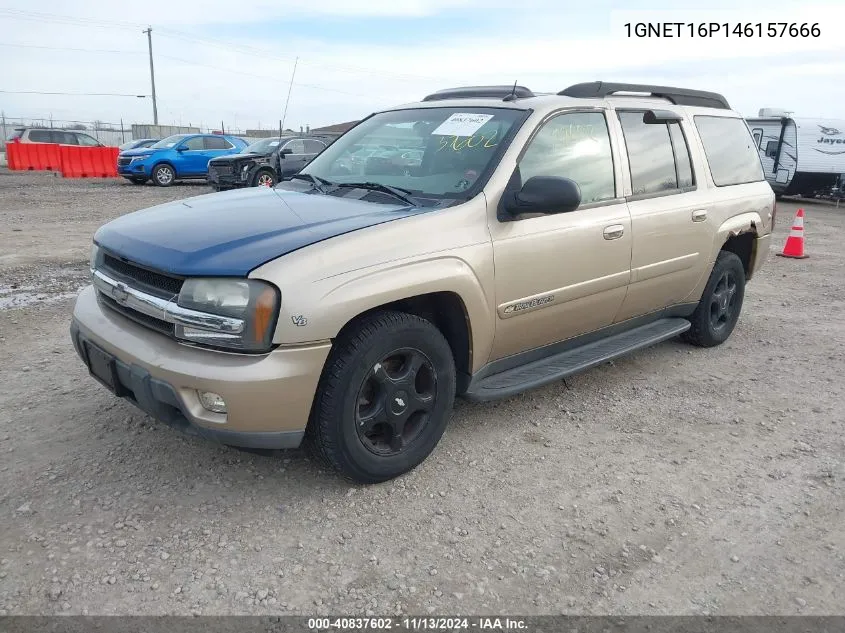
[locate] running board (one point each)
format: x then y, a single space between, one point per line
542 372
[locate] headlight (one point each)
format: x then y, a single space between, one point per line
254 301
95 252
135 159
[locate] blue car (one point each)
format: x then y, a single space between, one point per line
178 157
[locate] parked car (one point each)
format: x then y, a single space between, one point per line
51 135
540 235
265 162
138 143
177 157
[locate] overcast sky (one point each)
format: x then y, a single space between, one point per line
232 61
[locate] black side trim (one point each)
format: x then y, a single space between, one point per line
678 96
509 362
541 372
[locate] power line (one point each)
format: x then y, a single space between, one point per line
66 48
248 74
214 42
36 16
75 94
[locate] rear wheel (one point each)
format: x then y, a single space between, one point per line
163 175
265 178
384 398
718 311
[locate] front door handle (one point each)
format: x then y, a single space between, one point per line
613 232
699 215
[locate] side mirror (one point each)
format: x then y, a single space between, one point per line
182 148
285 152
546 194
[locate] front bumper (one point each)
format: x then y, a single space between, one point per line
234 178
132 169
268 397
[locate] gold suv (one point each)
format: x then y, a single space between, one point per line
484 241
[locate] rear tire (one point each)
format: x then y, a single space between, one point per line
164 175
718 311
384 398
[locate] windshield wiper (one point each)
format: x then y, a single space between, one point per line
396 192
318 182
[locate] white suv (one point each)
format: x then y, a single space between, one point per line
47 135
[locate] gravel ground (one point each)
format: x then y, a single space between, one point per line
674 481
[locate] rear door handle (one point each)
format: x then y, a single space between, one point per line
699 215
613 232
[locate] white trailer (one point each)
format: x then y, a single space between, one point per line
800 156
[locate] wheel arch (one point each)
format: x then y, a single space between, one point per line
447 311
739 235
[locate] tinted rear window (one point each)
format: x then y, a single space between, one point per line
730 150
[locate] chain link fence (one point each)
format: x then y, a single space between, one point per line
116 133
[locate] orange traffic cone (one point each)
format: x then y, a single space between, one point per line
794 246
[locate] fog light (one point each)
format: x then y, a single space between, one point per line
212 401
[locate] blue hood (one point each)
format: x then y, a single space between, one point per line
140 151
231 233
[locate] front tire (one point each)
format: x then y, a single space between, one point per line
264 178
384 398
164 175
718 311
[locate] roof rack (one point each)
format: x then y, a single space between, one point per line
506 93
678 96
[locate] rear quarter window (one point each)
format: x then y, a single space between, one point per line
730 150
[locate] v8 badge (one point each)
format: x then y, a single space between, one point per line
299 320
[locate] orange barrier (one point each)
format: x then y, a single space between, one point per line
34 156
12 155
89 162
72 161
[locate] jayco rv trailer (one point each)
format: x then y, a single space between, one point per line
800 156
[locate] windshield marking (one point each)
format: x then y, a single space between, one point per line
462 124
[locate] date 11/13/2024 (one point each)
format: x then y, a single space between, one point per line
722 29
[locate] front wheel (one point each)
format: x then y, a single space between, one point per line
384 398
164 175
265 178
718 311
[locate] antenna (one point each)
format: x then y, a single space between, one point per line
512 95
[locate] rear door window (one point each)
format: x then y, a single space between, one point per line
313 147
658 155
296 146
217 142
730 150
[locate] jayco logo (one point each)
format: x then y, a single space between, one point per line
830 131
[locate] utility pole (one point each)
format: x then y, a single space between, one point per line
149 33
285 113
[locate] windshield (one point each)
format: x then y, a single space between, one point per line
261 147
437 152
170 141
